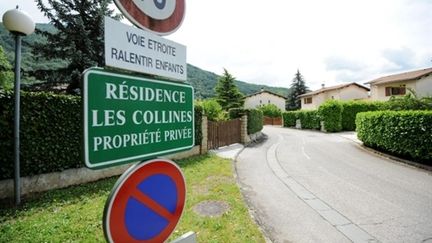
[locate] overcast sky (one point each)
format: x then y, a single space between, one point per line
331 42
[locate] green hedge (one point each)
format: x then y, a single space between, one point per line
198 109
255 121
235 113
309 119
270 110
289 118
403 133
50 134
351 108
331 113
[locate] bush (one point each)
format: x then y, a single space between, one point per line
308 119
331 113
255 121
50 134
235 113
212 110
270 110
409 102
404 133
351 108
198 122
289 118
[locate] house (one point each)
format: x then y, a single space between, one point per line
263 98
350 91
397 84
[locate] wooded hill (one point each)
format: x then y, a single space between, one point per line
202 81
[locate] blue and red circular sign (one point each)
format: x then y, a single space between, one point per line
162 17
146 203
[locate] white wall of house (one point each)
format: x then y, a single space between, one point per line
424 86
378 92
352 92
264 98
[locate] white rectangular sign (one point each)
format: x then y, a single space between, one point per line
136 50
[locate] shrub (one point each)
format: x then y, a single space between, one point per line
289 118
351 108
331 113
235 113
255 121
404 133
308 119
409 102
198 122
212 110
50 134
270 110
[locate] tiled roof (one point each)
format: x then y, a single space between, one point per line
265 91
407 76
341 86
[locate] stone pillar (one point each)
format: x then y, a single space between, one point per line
204 125
243 130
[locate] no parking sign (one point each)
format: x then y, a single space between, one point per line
146 203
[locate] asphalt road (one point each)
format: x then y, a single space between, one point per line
305 186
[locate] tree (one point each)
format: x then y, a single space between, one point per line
298 87
6 74
213 110
227 93
270 110
79 37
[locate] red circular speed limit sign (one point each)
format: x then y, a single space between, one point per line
162 17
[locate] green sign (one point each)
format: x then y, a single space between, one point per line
129 118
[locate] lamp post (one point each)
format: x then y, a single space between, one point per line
19 24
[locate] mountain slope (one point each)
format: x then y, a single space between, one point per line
202 81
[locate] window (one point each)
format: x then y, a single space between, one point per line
260 101
307 100
268 101
401 90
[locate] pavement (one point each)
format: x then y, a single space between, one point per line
306 186
228 152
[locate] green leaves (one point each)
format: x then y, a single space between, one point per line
255 121
404 133
227 93
331 113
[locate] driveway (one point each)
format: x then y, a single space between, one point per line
305 186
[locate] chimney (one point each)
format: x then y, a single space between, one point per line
262 89
323 85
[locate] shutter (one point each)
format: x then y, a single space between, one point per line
388 91
402 90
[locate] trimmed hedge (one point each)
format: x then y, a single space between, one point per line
254 121
198 109
331 113
270 110
289 118
403 133
235 113
50 134
351 108
308 119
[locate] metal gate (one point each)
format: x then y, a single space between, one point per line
223 133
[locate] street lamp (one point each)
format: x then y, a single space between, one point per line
19 24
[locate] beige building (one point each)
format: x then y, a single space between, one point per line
263 98
397 84
350 91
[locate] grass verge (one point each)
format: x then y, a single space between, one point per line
75 214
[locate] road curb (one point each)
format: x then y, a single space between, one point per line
390 157
251 211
